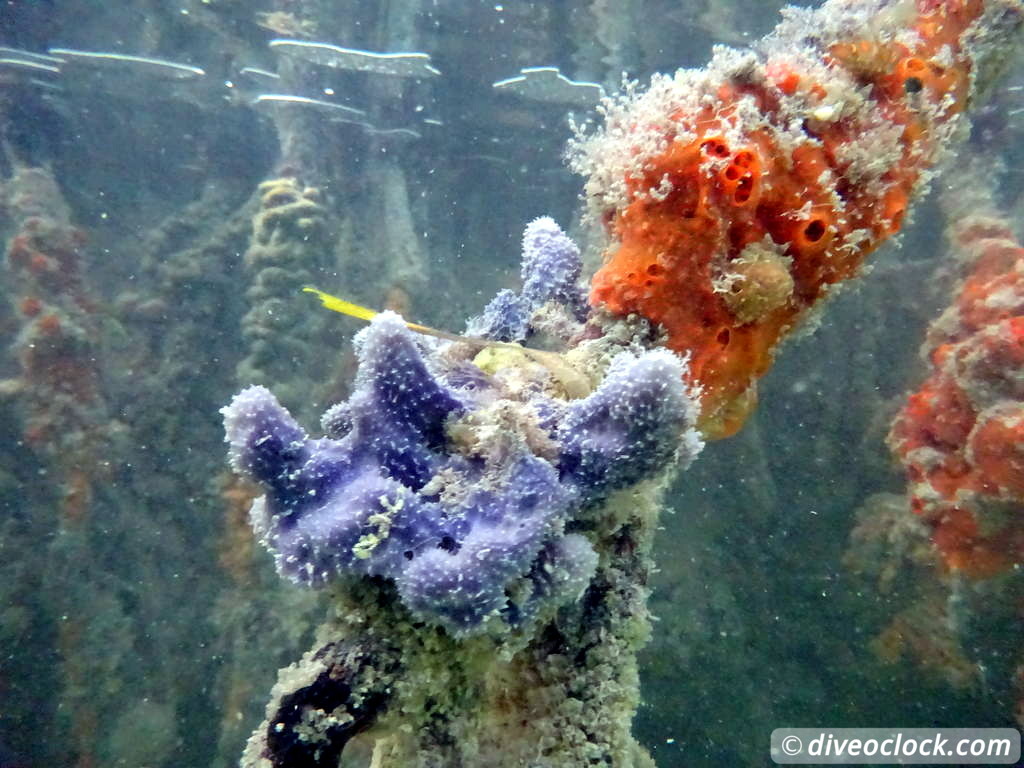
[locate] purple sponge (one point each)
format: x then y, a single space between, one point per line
470 537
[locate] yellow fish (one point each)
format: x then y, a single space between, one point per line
573 382
337 304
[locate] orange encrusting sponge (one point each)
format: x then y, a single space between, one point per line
762 197
961 435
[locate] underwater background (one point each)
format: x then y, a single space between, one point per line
140 625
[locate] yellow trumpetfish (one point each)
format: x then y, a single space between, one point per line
352 309
340 305
573 382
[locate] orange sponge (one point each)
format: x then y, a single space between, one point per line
808 151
